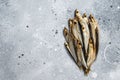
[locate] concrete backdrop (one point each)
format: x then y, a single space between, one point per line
32 42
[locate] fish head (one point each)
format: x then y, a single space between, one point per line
65 32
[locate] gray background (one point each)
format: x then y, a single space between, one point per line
31 39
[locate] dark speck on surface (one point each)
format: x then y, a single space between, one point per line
103 20
117 61
52 10
56 32
109 42
22 54
54 0
111 6
117 52
108 19
29 62
58 45
55 14
19 57
18 63
27 26
99 18
52 30
44 63
45 43
118 48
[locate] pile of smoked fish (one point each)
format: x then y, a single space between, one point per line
82 40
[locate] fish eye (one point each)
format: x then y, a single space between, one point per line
76 11
83 28
75 22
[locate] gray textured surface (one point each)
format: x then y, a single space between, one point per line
31 39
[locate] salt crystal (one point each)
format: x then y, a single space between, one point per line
118 7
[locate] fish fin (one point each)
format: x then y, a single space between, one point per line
97 40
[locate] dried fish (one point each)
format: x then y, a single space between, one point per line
85 17
94 32
85 29
82 40
70 43
91 53
97 40
80 54
76 31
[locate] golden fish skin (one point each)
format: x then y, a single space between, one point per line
85 30
85 17
76 31
91 53
94 29
82 40
97 41
80 54
70 43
